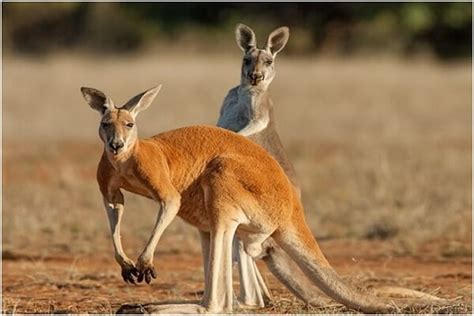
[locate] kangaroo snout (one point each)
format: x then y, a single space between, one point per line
256 77
116 144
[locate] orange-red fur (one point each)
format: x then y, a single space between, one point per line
178 161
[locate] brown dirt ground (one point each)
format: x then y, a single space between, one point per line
93 284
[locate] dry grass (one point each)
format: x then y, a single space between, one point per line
382 149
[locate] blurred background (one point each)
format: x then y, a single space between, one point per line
407 29
373 104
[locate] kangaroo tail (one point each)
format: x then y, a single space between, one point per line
403 293
298 241
288 272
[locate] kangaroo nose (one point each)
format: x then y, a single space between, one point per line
116 144
257 76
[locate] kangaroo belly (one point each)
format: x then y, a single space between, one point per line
193 210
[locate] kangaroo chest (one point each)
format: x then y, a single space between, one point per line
132 184
192 208
235 117
243 109
238 112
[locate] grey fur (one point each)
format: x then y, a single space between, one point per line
241 107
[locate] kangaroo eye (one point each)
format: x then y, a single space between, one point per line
269 62
130 125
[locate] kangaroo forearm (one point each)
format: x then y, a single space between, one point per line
167 213
114 214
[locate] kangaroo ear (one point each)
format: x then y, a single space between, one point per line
245 37
142 101
97 99
278 39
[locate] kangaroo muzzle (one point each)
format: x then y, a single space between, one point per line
256 78
116 145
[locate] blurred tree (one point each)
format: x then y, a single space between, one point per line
341 28
38 27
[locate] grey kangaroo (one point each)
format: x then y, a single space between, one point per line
248 110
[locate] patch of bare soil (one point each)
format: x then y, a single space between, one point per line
93 284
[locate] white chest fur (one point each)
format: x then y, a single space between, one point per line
244 112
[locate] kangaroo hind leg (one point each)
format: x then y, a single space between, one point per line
224 218
253 290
